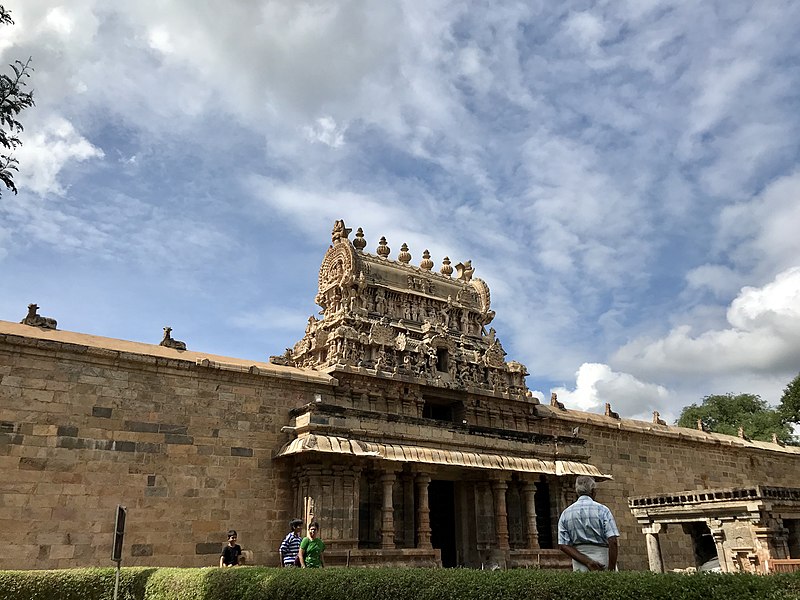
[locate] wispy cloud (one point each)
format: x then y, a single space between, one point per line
623 175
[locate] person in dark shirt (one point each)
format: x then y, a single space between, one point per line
231 552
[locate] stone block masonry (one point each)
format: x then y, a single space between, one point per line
184 440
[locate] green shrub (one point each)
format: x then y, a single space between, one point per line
74 584
261 583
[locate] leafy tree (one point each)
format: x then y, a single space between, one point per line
13 100
790 401
726 413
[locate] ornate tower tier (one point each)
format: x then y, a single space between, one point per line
393 318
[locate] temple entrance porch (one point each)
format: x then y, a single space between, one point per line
381 513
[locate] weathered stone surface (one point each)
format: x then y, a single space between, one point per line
401 360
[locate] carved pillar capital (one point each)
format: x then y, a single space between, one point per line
653 528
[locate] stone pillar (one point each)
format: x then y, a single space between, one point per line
718 535
529 490
387 511
423 512
408 510
653 547
499 488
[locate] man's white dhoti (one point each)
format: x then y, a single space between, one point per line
596 553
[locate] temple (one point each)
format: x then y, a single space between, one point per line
428 415
395 421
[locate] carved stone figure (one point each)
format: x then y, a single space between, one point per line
340 232
611 413
35 320
465 321
465 270
380 302
555 403
169 342
284 359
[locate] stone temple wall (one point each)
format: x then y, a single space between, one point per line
186 441
646 458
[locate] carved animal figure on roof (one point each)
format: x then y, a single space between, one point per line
168 342
700 425
284 359
657 418
611 413
34 320
775 440
465 270
555 403
340 232
742 434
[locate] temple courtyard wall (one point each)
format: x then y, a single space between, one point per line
187 442
650 459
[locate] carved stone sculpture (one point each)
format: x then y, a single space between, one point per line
35 320
555 403
168 342
404 319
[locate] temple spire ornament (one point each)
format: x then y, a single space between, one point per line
404 256
383 248
426 264
446 269
360 243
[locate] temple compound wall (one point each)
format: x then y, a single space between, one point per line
395 421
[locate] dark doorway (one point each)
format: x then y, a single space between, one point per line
441 501
544 523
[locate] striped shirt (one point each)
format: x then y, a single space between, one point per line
586 522
290 547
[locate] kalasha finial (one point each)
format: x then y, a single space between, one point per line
359 243
446 269
426 263
404 256
383 248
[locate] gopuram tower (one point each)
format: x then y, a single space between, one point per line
395 320
429 449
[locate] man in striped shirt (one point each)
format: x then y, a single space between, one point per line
290 546
587 532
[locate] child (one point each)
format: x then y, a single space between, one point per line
311 549
231 552
290 546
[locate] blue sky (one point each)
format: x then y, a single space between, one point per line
624 175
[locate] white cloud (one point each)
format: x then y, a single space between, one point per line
718 279
596 384
48 150
760 234
326 131
587 29
763 338
59 21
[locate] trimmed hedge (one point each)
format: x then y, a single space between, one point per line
262 583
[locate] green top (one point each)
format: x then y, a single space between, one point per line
312 552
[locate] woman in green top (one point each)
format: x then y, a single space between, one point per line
311 549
